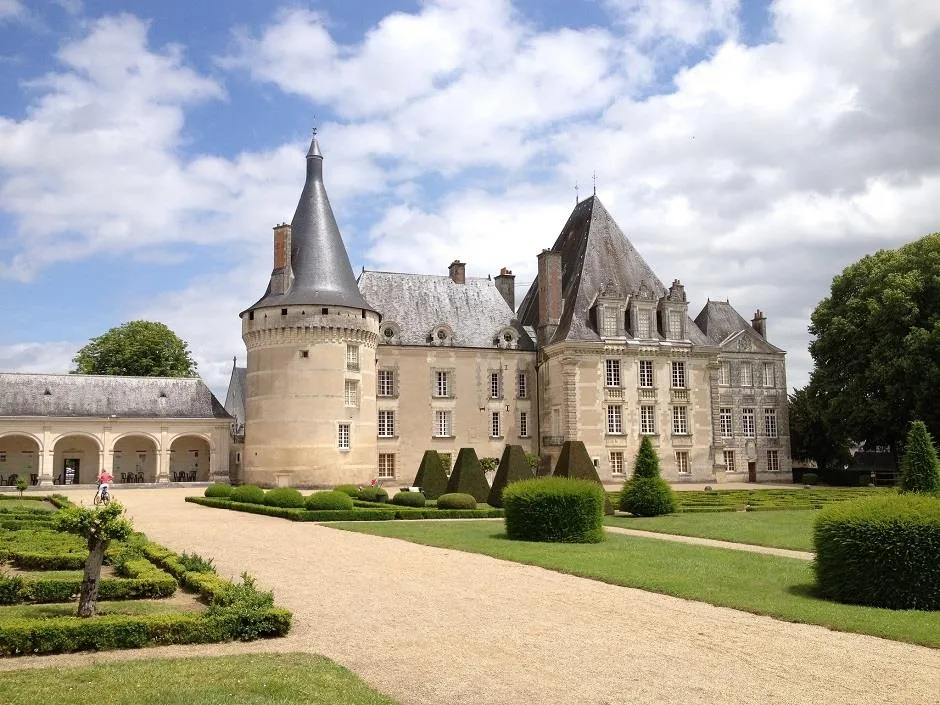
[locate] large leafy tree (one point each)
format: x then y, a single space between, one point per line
815 434
136 348
877 344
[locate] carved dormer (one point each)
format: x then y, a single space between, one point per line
441 335
608 311
506 338
390 333
673 313
643 313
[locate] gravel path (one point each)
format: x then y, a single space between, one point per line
430 625
715 543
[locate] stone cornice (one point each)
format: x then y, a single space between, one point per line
270 337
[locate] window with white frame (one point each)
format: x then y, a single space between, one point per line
342 436
386 465
612 376
747 423
729 461
773 461
646 374
643 324
441 384
682 461
616 462
614 419
386 424
523 424
770 378
678 375
352 357
352 393
675 325
522 385
442 424
747 375
386 383
496 427
494 385
611 315
724 373
770 422
647 419
724 422
680 420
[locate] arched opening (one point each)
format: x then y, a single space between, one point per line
135 460
19 457
75 460
189 459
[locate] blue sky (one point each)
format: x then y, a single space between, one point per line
750 149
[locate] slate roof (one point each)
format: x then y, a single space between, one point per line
720 321
417 303
105 396
594 251
235 396
320 264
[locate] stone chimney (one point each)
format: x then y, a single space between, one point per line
281 276
458 272
549 295
759 323
506 284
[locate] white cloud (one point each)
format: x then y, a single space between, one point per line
679 21
12 9
53 357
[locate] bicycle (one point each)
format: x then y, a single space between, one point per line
102 496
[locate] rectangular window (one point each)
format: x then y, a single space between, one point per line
386 424
646 374
556 421
386 465
682 461
441 384
680 420
610 320
770 422
647 420
616 462
614 419
523 385
678 375
643 324
352 393
773 461
442 424
724 373
747 375
675 325
729 461
523 424
305 353
494 385
386 383
770 378
342 439
724 422
496 430
613 373
747 423
352 357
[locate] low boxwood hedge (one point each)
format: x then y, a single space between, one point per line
248 494
363 511
329 499
286 497
555 509
351 490
882 552
456 500
219 489
373 494
409 499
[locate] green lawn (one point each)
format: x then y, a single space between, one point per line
286 679
770 585
13 504
134 607
784 529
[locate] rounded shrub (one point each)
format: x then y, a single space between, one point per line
881 551
647 497
351 490
456 500
554 509
372 494
286 497
329 499
219 489
410 499
249 494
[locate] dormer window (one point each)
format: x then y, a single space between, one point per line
507 338
643 324
675 325
391 333
441 335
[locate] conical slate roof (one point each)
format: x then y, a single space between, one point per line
320 264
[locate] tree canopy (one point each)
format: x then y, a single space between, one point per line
136 348
814 434
877 343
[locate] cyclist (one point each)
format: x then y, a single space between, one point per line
104 482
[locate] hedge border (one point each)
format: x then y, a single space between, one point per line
361 513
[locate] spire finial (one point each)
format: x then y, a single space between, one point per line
234 360
594 176
576 199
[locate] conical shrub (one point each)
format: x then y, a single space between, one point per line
647 462
920 469
467 476
646 494
575 463
431 477
513 467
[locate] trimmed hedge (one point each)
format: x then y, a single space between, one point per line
575 463
513 467
219 489
351 490
467 476
556 510
144 581
249 494
287 497
431 477
456 500
329 499
409 499
373 494
882 552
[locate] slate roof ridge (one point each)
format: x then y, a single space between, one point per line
73 375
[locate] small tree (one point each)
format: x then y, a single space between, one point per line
100 526
21 485
646 494
920 469
136 348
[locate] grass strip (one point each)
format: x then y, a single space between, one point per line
286 679
769 585
132 607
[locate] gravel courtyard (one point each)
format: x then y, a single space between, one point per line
429 625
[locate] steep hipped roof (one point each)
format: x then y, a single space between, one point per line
594 251
235 396
720 322
319 262
417 303
106 396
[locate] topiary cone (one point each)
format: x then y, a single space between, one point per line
920 469
647 462
513 467
467 476
574 462
431 477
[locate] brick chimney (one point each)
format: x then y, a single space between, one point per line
458 272
759 323
281 276
506 284
549 295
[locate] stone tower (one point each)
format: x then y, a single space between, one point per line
310 408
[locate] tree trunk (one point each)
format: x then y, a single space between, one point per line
92 577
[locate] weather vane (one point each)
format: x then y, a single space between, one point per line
576 200
594 176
